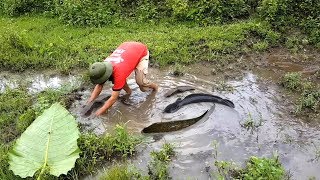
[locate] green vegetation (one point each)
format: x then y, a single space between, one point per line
19 109
97 150
13 103
251 124
52 145
158 167
176 31
292 81
265 168
255 168
121 172
223 86
309 99
38 42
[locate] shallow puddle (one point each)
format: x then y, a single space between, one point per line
255 95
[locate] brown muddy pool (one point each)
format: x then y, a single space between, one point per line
255 95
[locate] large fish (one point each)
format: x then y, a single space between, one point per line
170 126
196 98
178 89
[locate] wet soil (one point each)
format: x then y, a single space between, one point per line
251 83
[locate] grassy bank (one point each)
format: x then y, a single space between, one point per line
39 42
19 108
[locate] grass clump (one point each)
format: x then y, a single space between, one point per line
251 124
256 168
5 173
121 172
13 103
309 100
292 81
309 92
262 168
97 150
158 167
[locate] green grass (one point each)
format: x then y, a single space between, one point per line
309 93
255 168
97 150
38 42
121 172
158 167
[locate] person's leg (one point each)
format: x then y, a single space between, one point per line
140 74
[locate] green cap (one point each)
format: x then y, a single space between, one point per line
100 72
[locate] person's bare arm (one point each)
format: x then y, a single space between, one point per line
95 93
108 103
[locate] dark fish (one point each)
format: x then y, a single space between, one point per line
196 98
97 103
170 126
177 90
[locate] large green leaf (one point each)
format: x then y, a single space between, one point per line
50 142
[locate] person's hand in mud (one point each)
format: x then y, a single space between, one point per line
108 103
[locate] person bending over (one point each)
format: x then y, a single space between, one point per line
128 57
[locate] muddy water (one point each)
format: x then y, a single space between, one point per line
254 92
254 95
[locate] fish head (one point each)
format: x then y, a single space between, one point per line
171 108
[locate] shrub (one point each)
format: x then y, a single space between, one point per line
88 12
283 14
216 11
20 7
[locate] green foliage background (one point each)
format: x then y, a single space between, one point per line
176 31
280 13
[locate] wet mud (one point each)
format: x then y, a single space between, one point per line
254 90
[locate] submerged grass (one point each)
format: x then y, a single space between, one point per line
157 167
39 42
122 172
309 92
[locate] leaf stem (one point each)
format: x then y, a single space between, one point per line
46 154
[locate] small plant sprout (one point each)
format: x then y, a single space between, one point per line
251 124
223 86
215 145
317 152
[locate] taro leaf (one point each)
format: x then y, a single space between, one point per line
50 143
